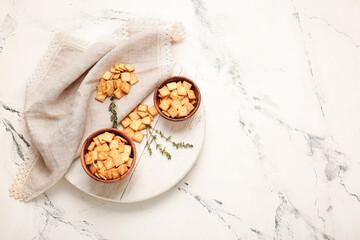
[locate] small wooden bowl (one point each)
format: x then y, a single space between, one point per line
176 79
87 143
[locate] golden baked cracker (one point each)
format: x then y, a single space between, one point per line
164 104
119 93
174 94
109 88
183 112
100 97
115 173
126 76
122 67
184 100
152 110
96 141
113 70
128 163
179 84
166 113
124 156
108 174
146 120
191 94
114 144
129 132
117 83
181 91
94 155
102 169
122 169
142 126
109 164
92 168
99 164
105 147
142 108
125 87
129 68
102 176
134 116
107 75
171 86
133 78
176 104
116 76
135 124
143 114
91 146
164 91
126 122
187 85
151 117
88 159
122 139
108 137
102 155
173 112
128 149
189 106
193 102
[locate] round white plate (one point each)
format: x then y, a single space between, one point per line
153 174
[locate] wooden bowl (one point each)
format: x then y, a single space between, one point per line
176 79
87 143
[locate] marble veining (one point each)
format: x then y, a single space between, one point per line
280 83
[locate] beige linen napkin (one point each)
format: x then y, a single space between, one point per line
60 107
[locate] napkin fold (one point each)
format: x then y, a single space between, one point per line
60 109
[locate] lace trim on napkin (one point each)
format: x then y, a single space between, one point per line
18 190
168 32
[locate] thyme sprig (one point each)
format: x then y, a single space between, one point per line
158 146
175 144
113 117
151 137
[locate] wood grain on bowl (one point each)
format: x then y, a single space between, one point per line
177 86
114 155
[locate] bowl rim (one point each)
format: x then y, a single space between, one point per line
88 141
169 79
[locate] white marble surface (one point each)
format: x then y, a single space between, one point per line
280 160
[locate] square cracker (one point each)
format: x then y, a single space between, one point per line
138 136
187 85
191 94
119 93
133 79
152 110
126 76
126 122
109 164
164 91
107 75
183 112
142 108
173 112
171 86
165 104
134 116
143 114
146 120
125 87
135 125
181 91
